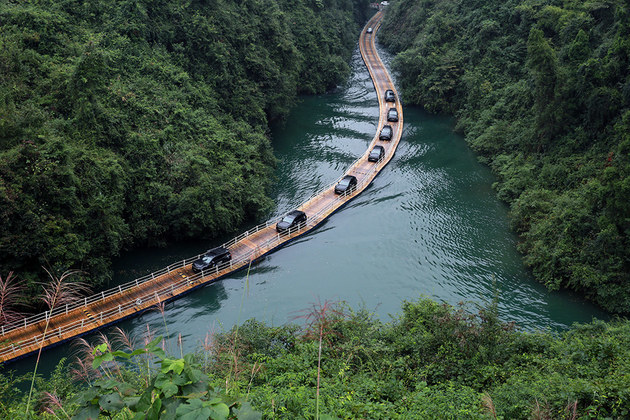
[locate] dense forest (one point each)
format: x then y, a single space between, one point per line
127 123
431 361
541 90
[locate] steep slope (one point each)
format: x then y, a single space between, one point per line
137 122
541 89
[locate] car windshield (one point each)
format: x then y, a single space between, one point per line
344 182
207 260
288 218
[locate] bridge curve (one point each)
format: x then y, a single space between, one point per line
66 322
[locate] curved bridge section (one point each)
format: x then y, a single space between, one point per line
91 313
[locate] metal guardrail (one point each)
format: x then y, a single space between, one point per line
157 296
146 301
311 221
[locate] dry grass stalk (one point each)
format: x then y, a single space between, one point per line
148 337
111 368
488 405
82 371
51 403
255 369
161 307
84 356
9 298
124 338
571 410
321 320
541 412
59 291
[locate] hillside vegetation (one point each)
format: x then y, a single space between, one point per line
541 90
431 361
126 123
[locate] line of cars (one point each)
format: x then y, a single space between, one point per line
215 257
296 219
387 132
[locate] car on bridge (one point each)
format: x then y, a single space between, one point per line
390 96
292 221
392 115
212 258
386 133
369 30
346 185
376 154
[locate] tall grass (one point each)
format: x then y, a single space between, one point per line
57 292
320 322
9 299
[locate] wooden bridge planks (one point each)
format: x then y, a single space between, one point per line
179 281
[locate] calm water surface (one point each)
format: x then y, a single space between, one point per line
429 225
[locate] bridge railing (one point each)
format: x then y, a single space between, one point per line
312 220
120 289
164 293
362 181
94 298
147 300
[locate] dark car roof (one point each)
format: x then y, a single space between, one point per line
347 179
387 127
217 251
377 147
295 213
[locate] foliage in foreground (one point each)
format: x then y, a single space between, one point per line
431 360
541 90
127 123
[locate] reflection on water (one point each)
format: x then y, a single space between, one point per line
429 225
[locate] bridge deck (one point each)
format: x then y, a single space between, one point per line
110 306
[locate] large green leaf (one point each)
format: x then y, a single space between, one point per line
174 365
154 411
90 412
194 409
246 412
111 402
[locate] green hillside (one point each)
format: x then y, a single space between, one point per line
127 123
432 361
541 90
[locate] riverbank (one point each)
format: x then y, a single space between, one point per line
541 92
459 361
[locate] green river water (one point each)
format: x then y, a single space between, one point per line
430 225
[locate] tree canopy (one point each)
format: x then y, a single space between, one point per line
541 90
126 123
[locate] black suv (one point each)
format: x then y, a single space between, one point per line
376 154
386 133
346 185
291 221
390 96
392 115
211 258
